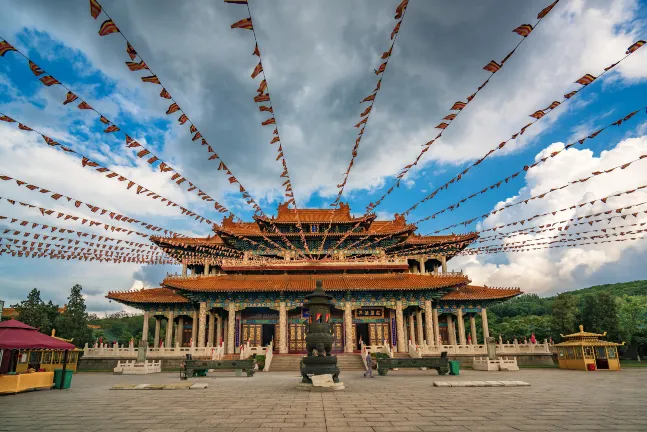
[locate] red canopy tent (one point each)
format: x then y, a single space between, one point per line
15 335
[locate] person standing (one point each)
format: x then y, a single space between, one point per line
369 366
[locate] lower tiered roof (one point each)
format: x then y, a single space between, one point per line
303 283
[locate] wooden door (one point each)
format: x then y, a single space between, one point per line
297 338
338 343
378 333
252 333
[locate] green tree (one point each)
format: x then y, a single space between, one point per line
34 312
633 323
599 314
73 322
564 314
521 327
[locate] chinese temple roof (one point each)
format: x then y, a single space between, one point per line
380 282
472 292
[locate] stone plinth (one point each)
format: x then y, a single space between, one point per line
131 367
499 364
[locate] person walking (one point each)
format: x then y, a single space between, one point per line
369 366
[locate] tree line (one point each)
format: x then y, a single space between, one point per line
71 323
618 309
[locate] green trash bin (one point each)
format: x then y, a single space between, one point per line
454 367
63 383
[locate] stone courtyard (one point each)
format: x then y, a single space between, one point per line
400 401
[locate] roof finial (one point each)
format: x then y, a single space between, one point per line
581 328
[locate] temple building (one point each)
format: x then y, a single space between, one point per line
246 284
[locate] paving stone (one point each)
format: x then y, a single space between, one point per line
555 400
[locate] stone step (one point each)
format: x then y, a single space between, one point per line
289 363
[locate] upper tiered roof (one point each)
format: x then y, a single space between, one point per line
337 229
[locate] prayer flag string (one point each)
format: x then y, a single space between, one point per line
109 27
400 12
94 209
493 67
54 229
90 164
69 241
527 168
572 222
542 195
537 116
90 222
554 212
140 150
263 96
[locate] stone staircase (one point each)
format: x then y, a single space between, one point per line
350 362
292 362
286 363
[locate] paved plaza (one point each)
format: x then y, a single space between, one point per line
400 401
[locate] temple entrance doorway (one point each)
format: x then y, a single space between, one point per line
361 334
267 333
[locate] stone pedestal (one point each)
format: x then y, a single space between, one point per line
321 383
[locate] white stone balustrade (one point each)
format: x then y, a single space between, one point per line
481 349
269 354
132 367
131 352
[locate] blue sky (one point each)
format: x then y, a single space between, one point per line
319 63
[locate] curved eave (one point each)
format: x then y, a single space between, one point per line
147 296
480 293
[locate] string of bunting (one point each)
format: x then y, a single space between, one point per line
584 81
94 209
564 245
527 168
31 252
90 164
81 249
579 235
79 234
139 150
553 226
90 222
542 195
109 27
554 212
263 96
493 67
400 12
97 245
